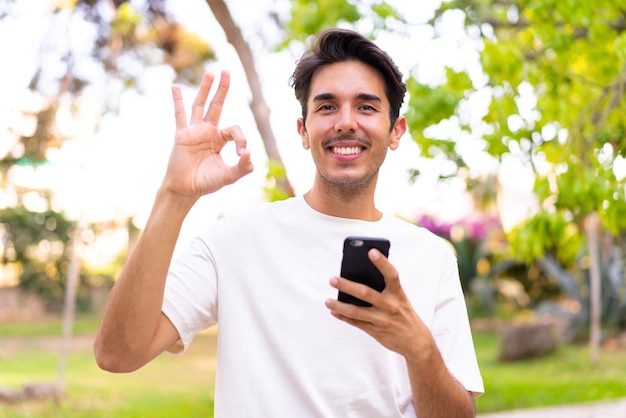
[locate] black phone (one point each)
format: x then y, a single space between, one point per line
356 266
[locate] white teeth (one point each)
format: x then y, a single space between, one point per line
346 150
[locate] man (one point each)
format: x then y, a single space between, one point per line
268 275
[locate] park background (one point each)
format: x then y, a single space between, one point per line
515 155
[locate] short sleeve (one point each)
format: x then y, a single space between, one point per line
451 329
190 298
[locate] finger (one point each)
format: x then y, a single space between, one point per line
244 165
387 269
234 133
217 103
179 108
358 290
242 168
197 110
351 313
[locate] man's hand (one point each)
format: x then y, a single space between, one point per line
196 167
391 319
393 322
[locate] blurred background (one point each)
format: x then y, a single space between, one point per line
516 154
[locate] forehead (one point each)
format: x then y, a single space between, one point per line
347 79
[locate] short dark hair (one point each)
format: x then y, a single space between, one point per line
338 45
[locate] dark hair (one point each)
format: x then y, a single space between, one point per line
338 45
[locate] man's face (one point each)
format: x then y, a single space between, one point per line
347 124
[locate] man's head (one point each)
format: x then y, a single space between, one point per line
338 45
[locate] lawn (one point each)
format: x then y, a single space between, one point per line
563 377
182 386
170 386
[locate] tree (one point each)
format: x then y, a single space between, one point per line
94 51
120 42
555 75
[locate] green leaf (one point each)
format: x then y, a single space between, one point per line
620 47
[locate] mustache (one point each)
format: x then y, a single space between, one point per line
346 137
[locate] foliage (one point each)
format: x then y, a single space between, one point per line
123 41
309 17
38 247
38 244
556 75
429 105
546 232
273 190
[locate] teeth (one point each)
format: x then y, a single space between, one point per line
346 150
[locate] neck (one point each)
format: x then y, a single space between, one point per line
342 202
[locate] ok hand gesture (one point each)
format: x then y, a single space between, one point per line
196 166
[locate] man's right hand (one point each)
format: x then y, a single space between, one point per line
196 166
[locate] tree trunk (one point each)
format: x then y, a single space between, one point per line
259 107
594 275
73 280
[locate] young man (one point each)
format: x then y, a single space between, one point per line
268 276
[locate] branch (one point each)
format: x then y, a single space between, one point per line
259 107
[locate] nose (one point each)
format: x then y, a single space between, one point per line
346 122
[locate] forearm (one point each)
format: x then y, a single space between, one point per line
127 337
436 393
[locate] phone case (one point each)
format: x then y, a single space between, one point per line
356 266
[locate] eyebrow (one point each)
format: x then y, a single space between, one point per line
360 96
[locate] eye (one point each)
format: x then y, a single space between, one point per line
368 108
325 108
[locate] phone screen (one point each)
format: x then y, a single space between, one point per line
356 266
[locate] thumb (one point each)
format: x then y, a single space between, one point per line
244 167
387 269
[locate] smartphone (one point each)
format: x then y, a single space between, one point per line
356 266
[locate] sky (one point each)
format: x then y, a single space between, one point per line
116 171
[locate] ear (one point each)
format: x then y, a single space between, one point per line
398 130
303 134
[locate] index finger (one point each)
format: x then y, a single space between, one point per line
217 103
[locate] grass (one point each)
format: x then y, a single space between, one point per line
182 386
49 327
170 386
563 377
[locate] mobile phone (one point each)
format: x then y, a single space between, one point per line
356 266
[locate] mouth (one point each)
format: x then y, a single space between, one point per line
347 146
353 150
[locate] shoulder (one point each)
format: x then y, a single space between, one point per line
254 217
413 235
410 228
260 210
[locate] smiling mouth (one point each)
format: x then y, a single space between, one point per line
346 150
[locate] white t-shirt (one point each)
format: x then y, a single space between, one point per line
263 275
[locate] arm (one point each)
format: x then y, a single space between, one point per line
394 323
133 329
